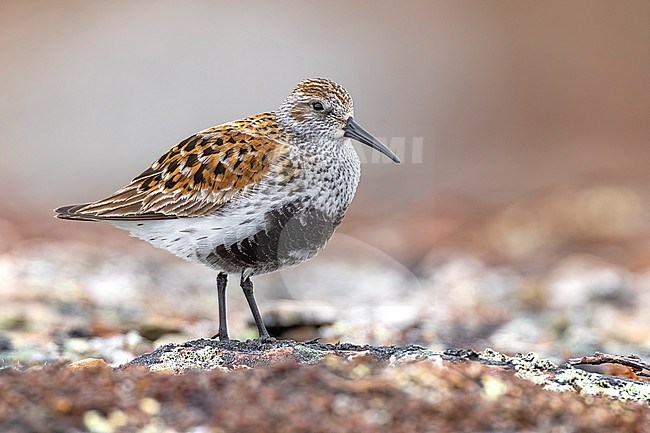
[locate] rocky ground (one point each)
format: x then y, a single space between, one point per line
291 387
562 274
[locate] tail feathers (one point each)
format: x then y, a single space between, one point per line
71 212
80 212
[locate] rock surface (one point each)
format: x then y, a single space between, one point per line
310 387
232 355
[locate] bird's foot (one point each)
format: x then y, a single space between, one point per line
220 337
267 339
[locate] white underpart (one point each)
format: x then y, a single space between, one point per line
187 237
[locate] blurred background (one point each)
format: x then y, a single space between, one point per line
518 220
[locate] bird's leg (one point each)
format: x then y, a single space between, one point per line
247 287
222 282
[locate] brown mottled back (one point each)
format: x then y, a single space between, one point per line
197 175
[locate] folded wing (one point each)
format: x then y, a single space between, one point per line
194 178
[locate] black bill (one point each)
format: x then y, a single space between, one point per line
354 131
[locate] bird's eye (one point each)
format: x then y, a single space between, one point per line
317 106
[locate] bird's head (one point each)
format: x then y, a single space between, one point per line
320 110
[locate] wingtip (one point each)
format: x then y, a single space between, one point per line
69 213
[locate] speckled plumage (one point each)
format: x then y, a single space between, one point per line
250 196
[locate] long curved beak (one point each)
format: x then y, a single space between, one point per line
354 131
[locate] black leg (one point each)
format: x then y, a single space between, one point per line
222 282
247 287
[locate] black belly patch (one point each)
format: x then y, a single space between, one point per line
288 229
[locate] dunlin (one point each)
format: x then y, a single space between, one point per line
250 196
